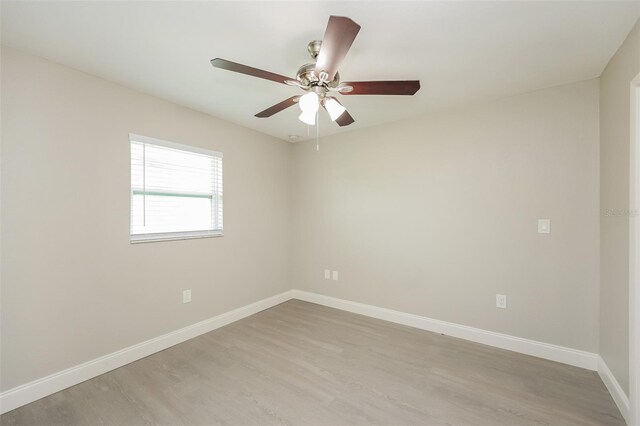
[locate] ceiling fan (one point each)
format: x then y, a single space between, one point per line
320 79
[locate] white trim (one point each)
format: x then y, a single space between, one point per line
21 395
634 253
614 388
24 394
172 236
548 351
153 141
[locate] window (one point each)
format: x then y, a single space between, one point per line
176 191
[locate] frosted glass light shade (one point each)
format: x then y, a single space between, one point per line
334 108
309 102
308 117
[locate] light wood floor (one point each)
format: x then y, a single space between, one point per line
300 363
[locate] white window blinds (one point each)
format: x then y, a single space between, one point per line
176 191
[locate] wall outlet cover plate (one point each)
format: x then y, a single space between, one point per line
544 226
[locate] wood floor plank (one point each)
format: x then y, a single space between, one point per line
305 364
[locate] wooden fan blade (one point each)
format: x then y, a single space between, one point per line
338 37
407 87
254 72
345 118
278 107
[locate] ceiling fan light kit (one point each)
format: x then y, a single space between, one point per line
333 107
308 117
309 102
321 78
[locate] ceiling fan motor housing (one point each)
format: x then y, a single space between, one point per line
306 75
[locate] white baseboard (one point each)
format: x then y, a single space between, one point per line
24 394
548 351
618 395
29 392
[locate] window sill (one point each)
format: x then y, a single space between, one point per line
173 236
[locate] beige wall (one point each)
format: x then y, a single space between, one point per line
69 274
435 215
614 203
432 216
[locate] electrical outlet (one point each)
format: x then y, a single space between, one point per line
186 296
327 274
334 275
501 301
544 226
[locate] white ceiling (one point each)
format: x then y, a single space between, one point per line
460 51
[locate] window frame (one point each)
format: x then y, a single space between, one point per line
178 235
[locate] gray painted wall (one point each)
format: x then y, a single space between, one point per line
432 216
436 215
69 274
614 203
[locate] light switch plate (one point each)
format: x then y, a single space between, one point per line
501 301
544 226
186 296
334 275
327 274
